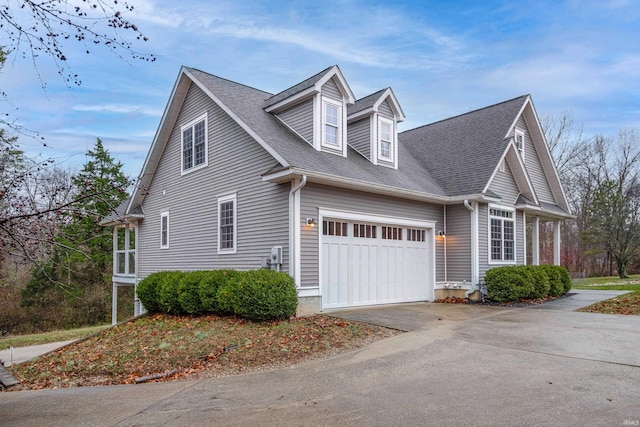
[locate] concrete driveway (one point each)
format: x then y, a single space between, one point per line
459 365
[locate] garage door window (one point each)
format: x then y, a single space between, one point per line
414 235
391 233
334 228
367 231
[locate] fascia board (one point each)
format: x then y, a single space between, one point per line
169 116
294 99
335 72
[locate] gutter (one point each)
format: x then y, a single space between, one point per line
294 229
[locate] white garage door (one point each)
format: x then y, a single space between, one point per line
374 263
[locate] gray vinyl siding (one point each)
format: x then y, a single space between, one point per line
331 90
505 186
458 241
359 136
483 239
519 238
300 119
385 110
533 165
235 165
315 196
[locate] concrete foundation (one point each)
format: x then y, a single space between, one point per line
456 293
308 306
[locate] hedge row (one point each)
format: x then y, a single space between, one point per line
506 284
256 294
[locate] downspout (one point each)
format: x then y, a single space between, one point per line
474 254
294 227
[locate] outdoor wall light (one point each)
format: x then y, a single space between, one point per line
312 222
441 233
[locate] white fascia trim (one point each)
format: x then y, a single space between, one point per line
336 181
379 219
515 120
512 146
293 99
335 72
179 84
360 115
237 119
395 105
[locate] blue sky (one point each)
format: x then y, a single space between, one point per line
441 58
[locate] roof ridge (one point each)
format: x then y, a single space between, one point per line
468 112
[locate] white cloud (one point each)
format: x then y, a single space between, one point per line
117 109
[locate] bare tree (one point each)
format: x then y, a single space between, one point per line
37 28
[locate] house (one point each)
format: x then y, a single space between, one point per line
321 185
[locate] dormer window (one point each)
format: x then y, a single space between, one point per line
386 139
331 123
519 136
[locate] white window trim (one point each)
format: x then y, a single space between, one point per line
223 199
339 136
518 133
503 166
515 235
163 215
192 124
392 147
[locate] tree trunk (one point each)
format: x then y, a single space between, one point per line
622 269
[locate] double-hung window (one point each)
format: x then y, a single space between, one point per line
227 224
502 231
164 230
331 124
385 140
194 144
519 137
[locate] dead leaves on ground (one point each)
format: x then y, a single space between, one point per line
624 304
161 347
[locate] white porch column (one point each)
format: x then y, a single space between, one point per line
114 305
556 242
535 241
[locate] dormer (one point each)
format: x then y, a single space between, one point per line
373 127
316 109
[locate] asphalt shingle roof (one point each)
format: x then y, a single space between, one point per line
310 82
248 103
364 103
462 152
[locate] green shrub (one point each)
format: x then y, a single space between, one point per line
169 293
540 281
264 295
188 295
227 295
148 291
211 282
554 272
564 278
504 284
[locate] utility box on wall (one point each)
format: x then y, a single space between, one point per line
276 255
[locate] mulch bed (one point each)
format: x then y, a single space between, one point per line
488 302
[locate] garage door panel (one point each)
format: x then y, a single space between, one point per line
359 270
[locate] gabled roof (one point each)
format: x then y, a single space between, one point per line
309 87
462 152
292 155
370 104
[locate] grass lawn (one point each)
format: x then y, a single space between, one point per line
609 283
47 337
163 347
623 304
